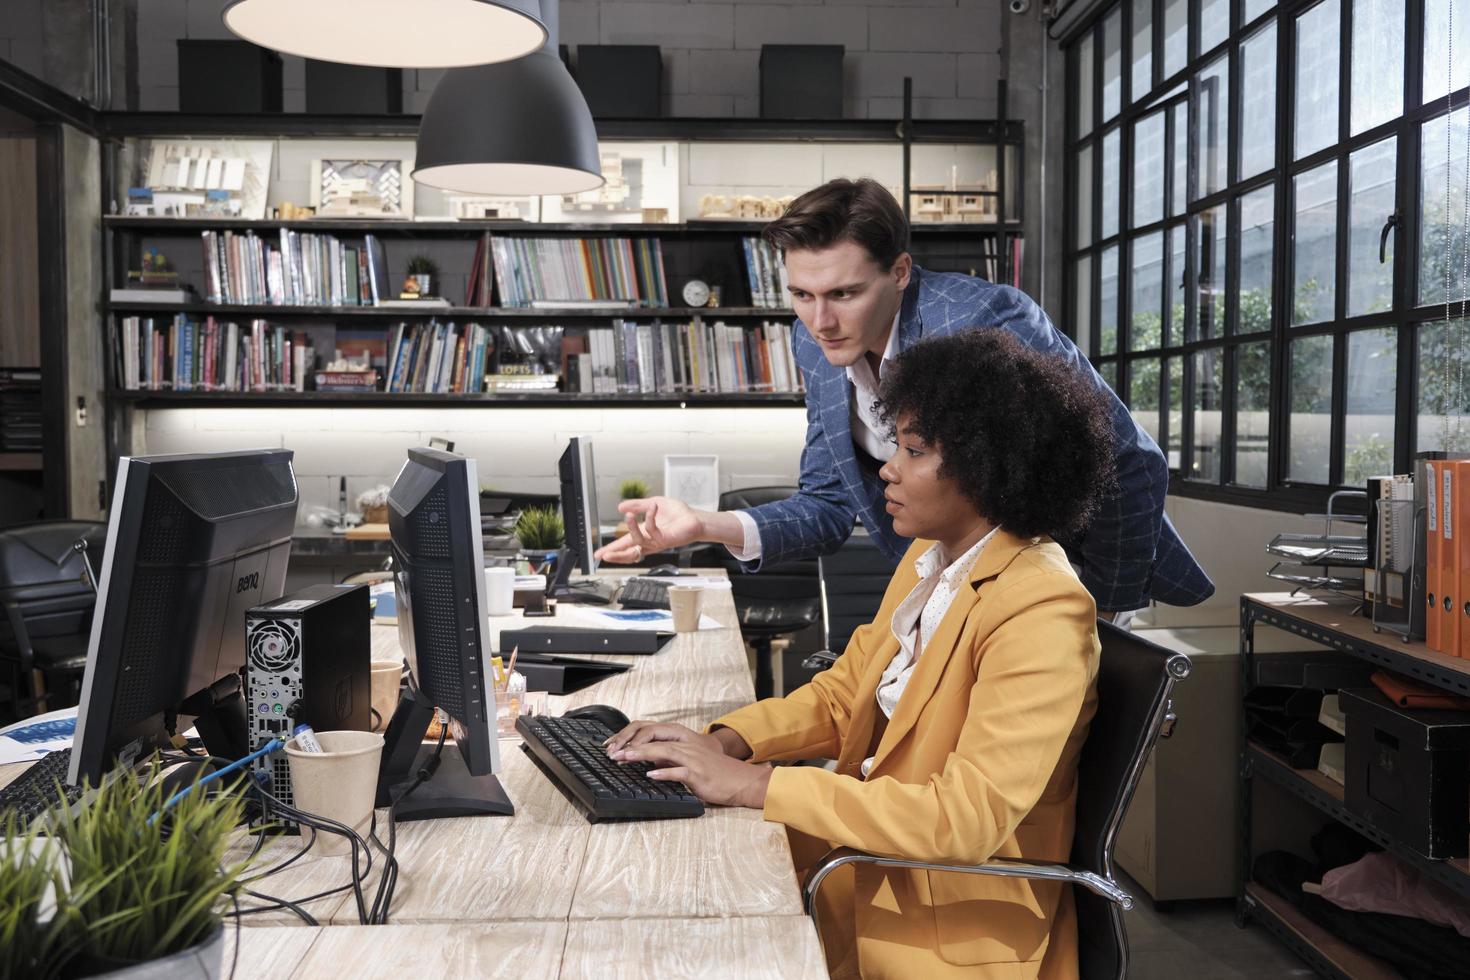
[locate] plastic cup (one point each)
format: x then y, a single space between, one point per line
500 586
387 681
339 783
684 604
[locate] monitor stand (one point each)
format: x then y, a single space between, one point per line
561 588
452 791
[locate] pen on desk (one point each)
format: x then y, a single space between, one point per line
511 667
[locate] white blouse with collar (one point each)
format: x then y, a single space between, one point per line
918 617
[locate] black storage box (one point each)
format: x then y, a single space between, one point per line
1408 772
347 90
801 81
228 76
621 81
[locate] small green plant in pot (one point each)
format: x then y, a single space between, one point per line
114 891
633 489
421 275
540 529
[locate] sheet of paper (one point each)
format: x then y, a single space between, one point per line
28 740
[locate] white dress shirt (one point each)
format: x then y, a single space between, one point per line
868 431
918 617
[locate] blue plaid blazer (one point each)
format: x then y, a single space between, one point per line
1129 555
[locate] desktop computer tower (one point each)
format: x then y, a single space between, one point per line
308 661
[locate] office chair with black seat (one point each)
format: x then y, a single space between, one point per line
851 582
780 599
1134 681
47 591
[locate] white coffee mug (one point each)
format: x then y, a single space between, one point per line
500 588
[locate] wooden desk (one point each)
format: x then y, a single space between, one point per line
545 891
760 948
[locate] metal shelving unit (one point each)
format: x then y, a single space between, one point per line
1334 626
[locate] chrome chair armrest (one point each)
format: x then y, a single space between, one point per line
820 660
1000 867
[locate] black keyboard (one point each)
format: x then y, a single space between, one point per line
646 593
570 752
35 793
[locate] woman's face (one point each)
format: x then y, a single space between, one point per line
923 504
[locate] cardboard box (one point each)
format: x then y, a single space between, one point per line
801 81
1408 772
228 76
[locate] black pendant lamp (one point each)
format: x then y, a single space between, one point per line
392 33
514 128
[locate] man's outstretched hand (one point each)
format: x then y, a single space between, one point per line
654 524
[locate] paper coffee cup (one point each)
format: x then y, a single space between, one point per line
387 683
684 604
500 588
339 783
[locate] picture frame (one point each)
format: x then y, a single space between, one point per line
345 187
694 479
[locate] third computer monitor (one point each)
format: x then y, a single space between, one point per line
579 502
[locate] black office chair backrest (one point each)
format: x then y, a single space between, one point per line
795 580
1133 684
46 578
853 580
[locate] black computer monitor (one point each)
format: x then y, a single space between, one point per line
439 585
579 505
193 540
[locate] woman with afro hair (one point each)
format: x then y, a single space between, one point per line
958 715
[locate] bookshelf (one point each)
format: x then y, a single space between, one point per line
691 246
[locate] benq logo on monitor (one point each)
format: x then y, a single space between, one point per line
248 583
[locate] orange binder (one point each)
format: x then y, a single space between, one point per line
1433 540
1459 549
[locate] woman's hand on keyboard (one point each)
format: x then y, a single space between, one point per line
642 732
709 773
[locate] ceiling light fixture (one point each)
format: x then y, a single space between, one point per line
392 33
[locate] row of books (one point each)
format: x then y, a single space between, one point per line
552 272
697 356
767 274
20 410
438 358
301 269
182 354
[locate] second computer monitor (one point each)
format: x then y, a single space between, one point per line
439 578
579 502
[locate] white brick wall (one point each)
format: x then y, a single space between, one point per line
515 448
711 50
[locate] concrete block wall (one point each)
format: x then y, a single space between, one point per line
515 448
711 51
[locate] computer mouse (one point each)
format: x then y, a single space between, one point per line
614 719
663 571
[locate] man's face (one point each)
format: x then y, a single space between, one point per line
845 298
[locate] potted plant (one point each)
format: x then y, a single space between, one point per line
633 489
421 275
374 505
541 532
115 891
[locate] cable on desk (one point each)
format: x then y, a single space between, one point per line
259 838
294 907
388 884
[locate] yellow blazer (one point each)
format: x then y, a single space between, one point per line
978 760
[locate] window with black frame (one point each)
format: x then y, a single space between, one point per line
1268 218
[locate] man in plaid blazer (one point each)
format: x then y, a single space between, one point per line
861 301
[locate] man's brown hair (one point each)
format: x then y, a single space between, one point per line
860 211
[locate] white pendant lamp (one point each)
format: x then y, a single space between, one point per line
392 33
516 128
